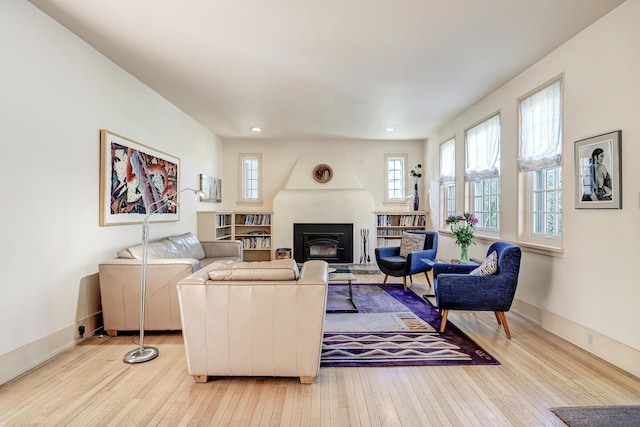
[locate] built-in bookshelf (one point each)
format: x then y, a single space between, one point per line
391 225
215 226
253 229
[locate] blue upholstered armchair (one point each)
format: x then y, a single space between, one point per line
456 289
392 264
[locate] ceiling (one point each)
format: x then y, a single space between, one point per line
325 69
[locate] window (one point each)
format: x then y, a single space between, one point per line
250 178
540 163
447 179
486 203
482 172
395 182
546 203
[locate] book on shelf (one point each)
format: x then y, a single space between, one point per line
402 220
223 220
256 242
257 219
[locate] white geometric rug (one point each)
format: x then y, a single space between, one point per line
375 322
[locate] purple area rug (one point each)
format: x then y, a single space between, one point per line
415 341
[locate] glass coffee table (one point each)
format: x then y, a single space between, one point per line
347 279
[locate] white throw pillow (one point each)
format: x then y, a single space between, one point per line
411 242
489 266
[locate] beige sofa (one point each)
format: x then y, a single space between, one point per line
254 319
168 260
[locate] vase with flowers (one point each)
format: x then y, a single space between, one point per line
416 175
463 226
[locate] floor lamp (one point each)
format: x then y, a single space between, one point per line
142 353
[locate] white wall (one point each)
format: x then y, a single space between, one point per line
57 93
279 158
356 190
590 294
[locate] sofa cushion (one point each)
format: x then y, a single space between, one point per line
161 249
489 266
411 242
188 246
282 269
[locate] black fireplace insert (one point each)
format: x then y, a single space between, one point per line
330 242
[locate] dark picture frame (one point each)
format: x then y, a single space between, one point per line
598 171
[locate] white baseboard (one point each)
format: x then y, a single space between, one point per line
610 350
25 358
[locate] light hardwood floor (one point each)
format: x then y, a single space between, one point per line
90 385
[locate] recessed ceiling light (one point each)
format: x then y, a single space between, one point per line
256 129
390 129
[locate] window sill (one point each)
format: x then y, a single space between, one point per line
249 202
536 248
541 249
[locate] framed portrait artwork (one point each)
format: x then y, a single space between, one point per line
132 177
598 172
212 188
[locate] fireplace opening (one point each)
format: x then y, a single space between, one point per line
325 241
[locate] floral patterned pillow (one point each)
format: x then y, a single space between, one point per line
411 242
489 266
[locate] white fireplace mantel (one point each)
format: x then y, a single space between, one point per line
341 200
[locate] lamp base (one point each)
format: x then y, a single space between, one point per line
141 355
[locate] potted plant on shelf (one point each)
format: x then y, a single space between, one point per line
463 226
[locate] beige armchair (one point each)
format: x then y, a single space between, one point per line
253 321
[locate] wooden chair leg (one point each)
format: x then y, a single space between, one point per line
443 323
505 325
427 276
498 317
384 282
404 282
307 380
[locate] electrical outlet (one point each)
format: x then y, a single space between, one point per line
81 330
589 339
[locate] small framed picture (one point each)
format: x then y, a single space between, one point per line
598 172
212 188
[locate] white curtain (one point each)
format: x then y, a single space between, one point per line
541 129
448 161
483 150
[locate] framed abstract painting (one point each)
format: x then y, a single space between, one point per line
133 176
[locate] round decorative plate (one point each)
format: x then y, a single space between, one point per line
322 173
